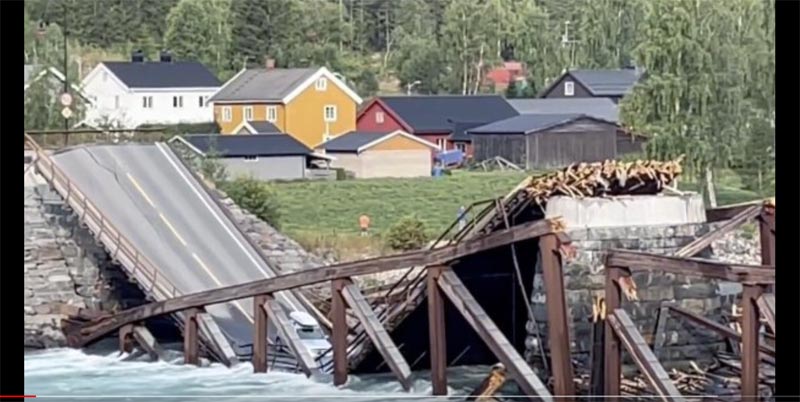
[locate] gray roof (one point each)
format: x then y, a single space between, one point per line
602 108
156 74
351 141
264 127
607 82
248 145
263 85
529 123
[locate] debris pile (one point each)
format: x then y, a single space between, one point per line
605 179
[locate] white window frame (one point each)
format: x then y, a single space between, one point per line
177 102
379 117
325 113
147 102
227 114
569 88
461 147
250 159
248 113
441 142
272 114
321 84
201 100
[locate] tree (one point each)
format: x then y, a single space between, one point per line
200 30
421 61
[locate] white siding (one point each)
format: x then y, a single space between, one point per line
267 168
377 163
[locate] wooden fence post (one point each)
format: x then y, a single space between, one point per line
436 333
612 353
190 337
750 350
339 330
260 334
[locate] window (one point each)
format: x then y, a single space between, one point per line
201 100
321 84
116 101
330 113
272 114
569 88
177 101
147 102
379 117
461 147
251 159
248 113
441 143
226 114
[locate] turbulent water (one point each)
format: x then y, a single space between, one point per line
101 374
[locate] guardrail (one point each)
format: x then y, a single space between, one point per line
57 139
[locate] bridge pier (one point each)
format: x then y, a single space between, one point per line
436 333
260 334
190 337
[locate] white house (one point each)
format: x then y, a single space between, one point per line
129 94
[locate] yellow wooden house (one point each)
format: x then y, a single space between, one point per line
311 104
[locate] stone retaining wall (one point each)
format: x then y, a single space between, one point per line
584 281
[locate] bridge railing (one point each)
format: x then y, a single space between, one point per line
57 139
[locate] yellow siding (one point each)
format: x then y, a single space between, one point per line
398 143
237 115
305 118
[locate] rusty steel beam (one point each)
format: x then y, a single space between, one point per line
260 334
717 327
760 274
704 241
339 332
126 338
190 337
766 305
644 358
474 314
750 349
557 320
436 332
612 352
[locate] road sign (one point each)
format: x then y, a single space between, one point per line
66 112
66 99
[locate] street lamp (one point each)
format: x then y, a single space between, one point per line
411 85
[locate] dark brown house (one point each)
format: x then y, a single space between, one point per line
612 84
544 141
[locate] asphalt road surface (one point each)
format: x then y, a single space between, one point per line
147 193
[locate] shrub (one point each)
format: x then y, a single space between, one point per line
255 196
407 234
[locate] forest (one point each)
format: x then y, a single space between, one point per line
708 92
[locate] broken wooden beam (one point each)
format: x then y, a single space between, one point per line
436 332
339 332
704 241
126 338
148 342
214 339
260 333
474 314
761 274
750 342
644 358
596 375
612 352
557 319
766 305
374 329
767 235
82 335
717 327
288 334
726 212
490 385
190 337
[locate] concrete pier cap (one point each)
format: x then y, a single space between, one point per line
629 210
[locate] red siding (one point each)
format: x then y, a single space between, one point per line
367 120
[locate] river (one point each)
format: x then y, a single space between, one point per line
100 374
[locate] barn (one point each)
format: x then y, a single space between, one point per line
394 154
544 141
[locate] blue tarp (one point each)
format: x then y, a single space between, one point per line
451 157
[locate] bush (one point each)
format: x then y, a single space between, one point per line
255 196
407 234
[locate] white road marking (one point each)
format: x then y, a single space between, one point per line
172 228
219 220
214 278
141 191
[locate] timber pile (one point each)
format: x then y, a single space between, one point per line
607 178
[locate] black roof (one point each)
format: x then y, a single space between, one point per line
436 113
248 145
264 127
352 141
607 82
178 74
530 123
460 130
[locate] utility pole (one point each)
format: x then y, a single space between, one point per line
66 67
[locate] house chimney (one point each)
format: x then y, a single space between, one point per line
165 57
269 63
137 56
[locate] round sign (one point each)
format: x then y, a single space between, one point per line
66 99
66 112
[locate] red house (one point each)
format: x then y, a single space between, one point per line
440 119
500 77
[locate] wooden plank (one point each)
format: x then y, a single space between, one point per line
437 335
766 305
643 357
85 334
718 328
612 352
148 342
726 212
217 340
750 344
380 338
557 321
190 337
125 338
659 335
260 334
339 330
289 335
704 241
761 274
767 235
474 314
